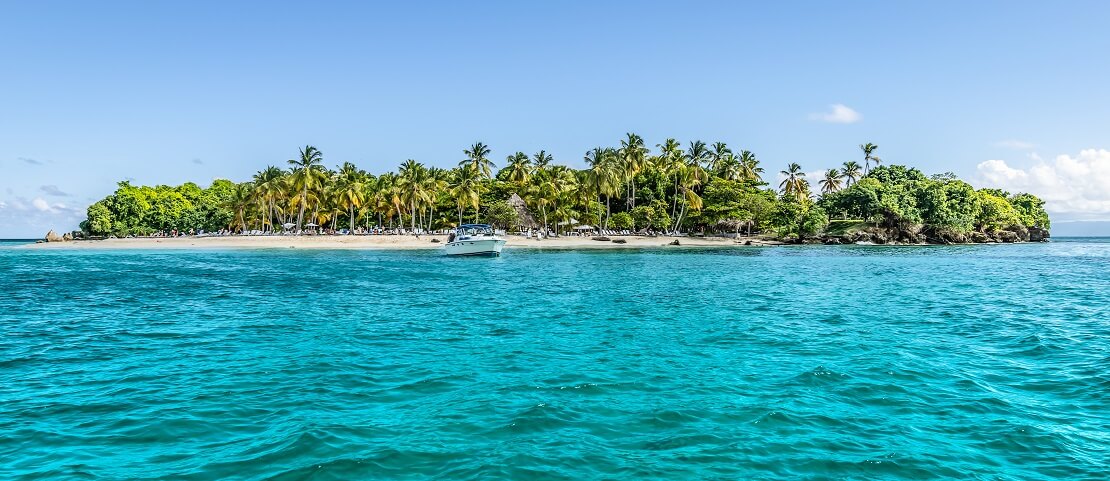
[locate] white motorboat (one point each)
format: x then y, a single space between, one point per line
473 240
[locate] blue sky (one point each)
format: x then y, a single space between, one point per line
1010 94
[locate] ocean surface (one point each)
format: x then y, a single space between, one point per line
965 362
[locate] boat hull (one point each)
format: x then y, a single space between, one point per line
474 247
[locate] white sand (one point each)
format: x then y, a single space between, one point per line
384 242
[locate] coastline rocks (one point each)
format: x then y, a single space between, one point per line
1037 234
68 236
600 238
53 236
619 241
674 243
917 235
978 237
1007 236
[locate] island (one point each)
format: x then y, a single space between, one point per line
700 194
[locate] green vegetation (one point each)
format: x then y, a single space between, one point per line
700 188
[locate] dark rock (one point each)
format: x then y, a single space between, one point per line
1019 230
979 237
601 238
619 241
1037 234
435 241
675 243
1007 236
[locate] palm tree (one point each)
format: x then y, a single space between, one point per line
542 160
466 189
689 177
241 200
749 167
412 177
601 177
831 182
729 167
670 162
868 157
795 182
633 154
305 176
350 187
719 155
850 172
697 153
477 156
268 188
520 168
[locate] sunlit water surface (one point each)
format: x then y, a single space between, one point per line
963 362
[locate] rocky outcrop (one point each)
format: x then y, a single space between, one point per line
53 236
929 235
1037 234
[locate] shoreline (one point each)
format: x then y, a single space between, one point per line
389 242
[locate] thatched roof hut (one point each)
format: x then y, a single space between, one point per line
524 217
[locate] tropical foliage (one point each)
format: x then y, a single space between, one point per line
697 188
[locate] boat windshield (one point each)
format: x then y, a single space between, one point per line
475 229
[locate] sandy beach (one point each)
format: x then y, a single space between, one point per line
387 242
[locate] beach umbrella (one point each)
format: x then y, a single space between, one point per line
311 225
289 225
572 221
584 227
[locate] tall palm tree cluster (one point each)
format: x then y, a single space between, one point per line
309 195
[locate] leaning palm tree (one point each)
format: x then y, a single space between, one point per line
477 156
689 177
832 181
868 156
305 176
794 182
850 172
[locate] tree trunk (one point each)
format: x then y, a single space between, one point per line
304 200
608 212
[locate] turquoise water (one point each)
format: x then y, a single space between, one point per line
967 362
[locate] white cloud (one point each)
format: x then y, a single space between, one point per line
837 114
41 205
1015 144
1078 187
